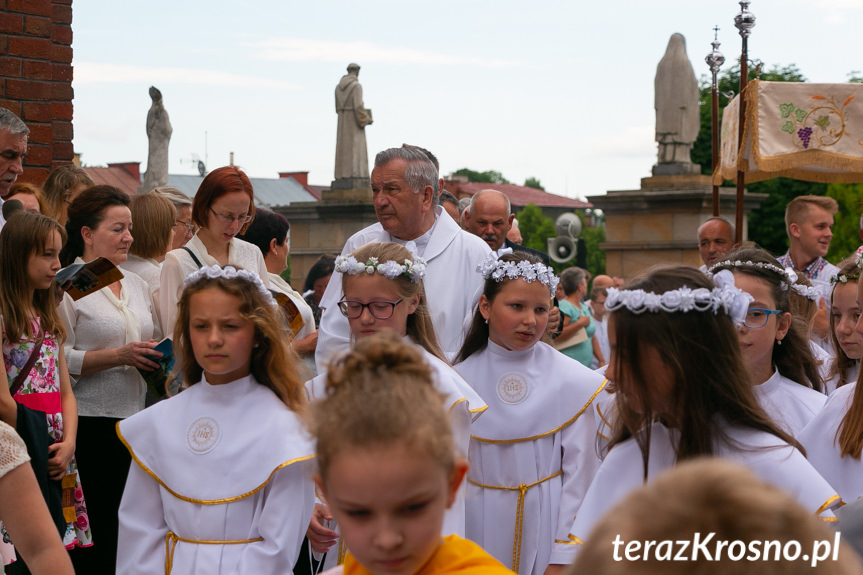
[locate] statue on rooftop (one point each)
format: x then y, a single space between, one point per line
352 158
677 116
159 133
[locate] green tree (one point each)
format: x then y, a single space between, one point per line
532 182
593 236
490 176
535 228
847 220
767 223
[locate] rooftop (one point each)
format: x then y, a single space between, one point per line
519 196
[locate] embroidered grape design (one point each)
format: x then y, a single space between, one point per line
805 135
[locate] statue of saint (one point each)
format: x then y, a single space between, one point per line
676 103
159 133
352 157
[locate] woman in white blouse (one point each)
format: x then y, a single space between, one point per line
109 334
223 207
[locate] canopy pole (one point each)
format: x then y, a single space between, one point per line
744 22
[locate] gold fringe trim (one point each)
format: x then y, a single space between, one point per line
547 433
206 501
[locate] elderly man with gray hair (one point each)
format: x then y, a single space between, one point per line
404 186
13 148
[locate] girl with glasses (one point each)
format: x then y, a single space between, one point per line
774 344
223 207
383 292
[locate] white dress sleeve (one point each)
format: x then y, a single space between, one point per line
74 357
170 286
334 332
580 463
262 268
13 452
142 529
284 520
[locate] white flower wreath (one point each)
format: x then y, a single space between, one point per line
499 270
229 272
415 270
725 296
787 274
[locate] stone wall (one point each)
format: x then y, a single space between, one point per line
657 224
36 79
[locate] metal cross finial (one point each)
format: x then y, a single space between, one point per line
715 59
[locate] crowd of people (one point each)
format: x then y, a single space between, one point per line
503 420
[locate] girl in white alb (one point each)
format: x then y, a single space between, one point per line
776 349
391 298
221 481
533 453
834 439
844 365
683 392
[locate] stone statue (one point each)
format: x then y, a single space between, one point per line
677 116
159 133
352 158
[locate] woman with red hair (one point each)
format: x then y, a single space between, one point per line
223 207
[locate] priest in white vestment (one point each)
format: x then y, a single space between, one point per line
404 184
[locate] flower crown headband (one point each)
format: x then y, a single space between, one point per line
844 278
858 263
499 270
390 269
725 296
787 274
230 272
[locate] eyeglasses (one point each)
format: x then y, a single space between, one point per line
189 227
379 309
756 318
230 219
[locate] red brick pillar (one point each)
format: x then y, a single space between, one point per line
36 79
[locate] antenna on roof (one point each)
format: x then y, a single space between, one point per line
196 162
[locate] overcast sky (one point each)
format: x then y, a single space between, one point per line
558 90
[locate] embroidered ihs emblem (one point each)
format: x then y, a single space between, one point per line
203 435
512 388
